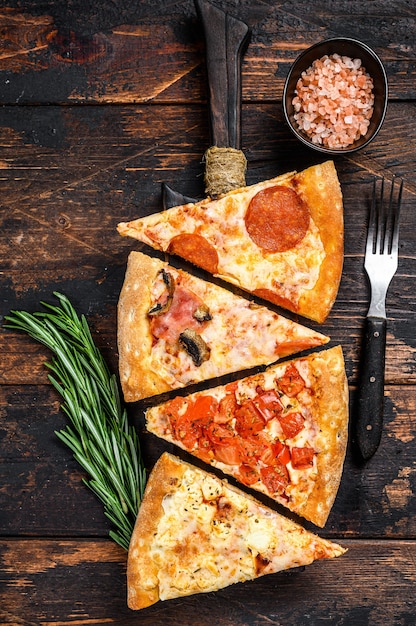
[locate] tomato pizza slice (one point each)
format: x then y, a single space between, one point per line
282 432
175 329
281 239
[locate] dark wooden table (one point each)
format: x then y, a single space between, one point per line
101 103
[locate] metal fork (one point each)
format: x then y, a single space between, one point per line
381 261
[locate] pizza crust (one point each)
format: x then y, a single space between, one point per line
332 416
324 197
138 379
142 572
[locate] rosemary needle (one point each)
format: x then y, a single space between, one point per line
99 435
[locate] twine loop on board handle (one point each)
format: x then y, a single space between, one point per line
225 170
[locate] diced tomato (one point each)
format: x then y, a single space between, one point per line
281 452
268 457
292 424
276 452
248 475
268 404
252 449
275 478
226 409
204 450
231 388
219 434
188 428
187 431
291 383
230 455
202 409
174 407
302 458
248 419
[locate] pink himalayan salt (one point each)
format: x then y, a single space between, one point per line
334 101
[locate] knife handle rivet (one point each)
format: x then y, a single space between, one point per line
369 427
372 379
376 334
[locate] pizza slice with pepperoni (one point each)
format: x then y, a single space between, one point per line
196 533
175 329
282 432
281 239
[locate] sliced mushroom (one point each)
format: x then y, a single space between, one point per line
163 307
202 314
195 346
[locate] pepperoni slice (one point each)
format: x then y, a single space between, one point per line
277 219
271 296
196 249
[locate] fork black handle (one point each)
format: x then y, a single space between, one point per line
370 398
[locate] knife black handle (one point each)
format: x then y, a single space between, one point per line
225 41
370 398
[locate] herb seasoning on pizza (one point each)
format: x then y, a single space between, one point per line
175 329
195 533
281 239
282 432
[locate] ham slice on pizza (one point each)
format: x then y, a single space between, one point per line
280 239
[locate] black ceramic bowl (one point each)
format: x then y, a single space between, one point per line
344 47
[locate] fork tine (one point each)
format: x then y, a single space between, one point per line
383 226
389 228
372 223
380 225
394 242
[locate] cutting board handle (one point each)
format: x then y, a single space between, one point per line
225 38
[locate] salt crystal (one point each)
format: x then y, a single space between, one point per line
334 86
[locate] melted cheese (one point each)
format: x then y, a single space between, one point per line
210 536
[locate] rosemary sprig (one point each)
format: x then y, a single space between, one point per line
99 435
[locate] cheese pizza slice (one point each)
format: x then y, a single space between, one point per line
195 533
281 239
175 329
282 432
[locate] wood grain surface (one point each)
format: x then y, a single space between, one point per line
100 104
